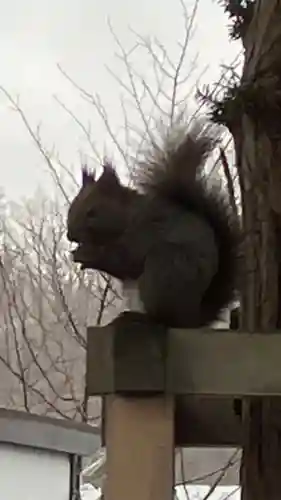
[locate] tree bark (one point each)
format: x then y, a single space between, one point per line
261 461
257 138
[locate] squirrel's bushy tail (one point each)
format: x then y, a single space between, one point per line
174 171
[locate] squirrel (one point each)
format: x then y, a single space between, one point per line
172 234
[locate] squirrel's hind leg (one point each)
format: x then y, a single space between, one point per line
173 282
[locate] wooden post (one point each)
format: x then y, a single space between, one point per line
140 448
126 364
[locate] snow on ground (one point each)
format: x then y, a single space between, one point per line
88 492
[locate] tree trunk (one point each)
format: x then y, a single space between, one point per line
261 461
256 129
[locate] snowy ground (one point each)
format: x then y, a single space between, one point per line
88 492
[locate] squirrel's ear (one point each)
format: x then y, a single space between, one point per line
87 176
109 178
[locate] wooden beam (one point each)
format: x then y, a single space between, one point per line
143 358
223 363
140 448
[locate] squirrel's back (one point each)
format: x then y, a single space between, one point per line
173 173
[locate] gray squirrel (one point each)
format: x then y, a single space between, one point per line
173 235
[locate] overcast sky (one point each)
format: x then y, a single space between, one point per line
35 35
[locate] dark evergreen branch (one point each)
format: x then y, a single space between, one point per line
222 100
259 98
240 13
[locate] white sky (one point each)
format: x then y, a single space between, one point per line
35 35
